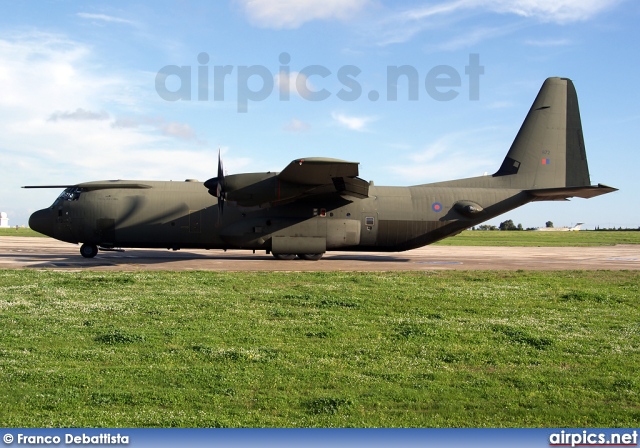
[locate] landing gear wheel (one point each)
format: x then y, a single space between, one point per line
310 257
284 256
88 250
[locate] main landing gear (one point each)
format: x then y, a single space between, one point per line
311 257
88 250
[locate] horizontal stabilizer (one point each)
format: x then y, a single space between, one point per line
559 194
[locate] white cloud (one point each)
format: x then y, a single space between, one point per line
296 83
59 123
106 18
285 82
449 158
548 42
43 73
293 13
78 114
175 129
402 26
560 11
473 37
352 122
179 130
296 125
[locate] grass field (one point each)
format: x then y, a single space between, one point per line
20 232
207 349
543 239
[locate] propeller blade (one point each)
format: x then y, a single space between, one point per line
220 170
220 192
217 187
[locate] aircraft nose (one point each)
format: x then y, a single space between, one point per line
42 221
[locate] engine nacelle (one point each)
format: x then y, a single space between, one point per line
252 189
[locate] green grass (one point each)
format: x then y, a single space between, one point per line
207 349
543 239
20 232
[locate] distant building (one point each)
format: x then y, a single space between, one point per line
4 221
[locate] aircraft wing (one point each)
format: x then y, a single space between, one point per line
301 179
100 185
317 171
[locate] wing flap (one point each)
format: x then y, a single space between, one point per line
352 186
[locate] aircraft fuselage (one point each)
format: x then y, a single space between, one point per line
184 215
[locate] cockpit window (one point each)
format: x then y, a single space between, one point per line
70 194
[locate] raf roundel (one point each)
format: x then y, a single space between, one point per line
436 207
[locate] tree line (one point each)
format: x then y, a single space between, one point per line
509 225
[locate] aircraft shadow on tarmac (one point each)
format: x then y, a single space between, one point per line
153 257
364 257
31 260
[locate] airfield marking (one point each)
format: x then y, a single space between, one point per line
46 253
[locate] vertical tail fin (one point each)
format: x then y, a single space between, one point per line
548 151
547 158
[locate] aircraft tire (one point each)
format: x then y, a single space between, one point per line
284 256
310 257
88 250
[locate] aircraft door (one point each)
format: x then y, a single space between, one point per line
369 228
343 233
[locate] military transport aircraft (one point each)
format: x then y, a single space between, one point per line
317 204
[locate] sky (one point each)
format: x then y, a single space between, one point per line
151 90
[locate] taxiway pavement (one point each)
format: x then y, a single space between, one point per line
47 253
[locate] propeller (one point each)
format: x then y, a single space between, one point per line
216 187
220 192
